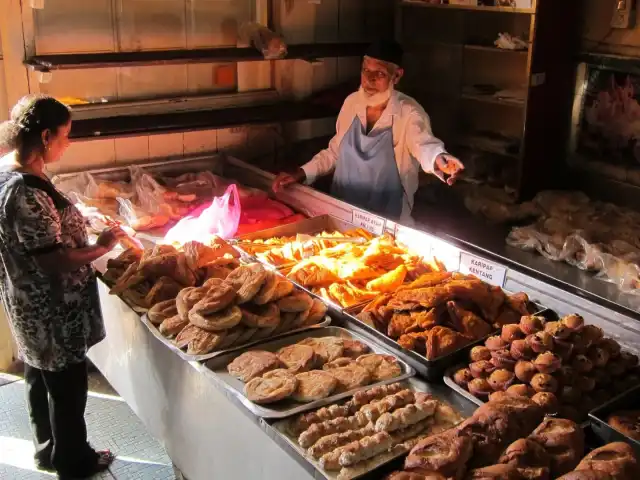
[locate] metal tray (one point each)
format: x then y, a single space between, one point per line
628 400
430 369
201 358
218 368
369 466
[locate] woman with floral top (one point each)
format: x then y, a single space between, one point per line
48 286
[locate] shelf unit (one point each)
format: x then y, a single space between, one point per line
172 122
477 8
309 52
454 45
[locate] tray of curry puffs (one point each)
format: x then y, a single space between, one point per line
302 371
349 439
435 320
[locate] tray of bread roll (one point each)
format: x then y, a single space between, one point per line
619 420
302 371
566 366
348 439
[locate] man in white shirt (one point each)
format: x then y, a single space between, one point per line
383 138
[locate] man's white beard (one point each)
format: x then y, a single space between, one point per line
376 99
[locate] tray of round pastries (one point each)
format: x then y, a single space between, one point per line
348 439
619 420
566 366
243 307
302 371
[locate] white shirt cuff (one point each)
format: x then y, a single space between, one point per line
310 174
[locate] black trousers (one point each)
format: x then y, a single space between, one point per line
56 402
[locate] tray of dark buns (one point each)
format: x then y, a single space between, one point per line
619 419
566 366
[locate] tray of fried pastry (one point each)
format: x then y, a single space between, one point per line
347 440
306 370
248 306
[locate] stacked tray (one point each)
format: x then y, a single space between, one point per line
217 368
432 370
629 400
284 433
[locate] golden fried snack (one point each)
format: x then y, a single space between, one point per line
253 364
231 337
314 385
267 290
354 348
391 402
350 377
468 323
216 299
218 321
165 288
390 281
297 358
316 431
187 334
381 367
283 288
326 349
406 416
376 393
260 316
172 326
204 342
316 313
247 281
270 389
161 311
338 363
304 421
335 440
187 298
443 341
296 302
287 321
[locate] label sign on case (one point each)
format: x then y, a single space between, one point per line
369 222
483 269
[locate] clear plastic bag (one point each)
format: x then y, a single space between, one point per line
221 218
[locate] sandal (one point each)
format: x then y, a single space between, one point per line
104 459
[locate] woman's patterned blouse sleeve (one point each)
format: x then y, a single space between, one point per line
37 222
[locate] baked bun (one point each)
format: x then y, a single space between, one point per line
494 472
445 454
564 442
626 422
479 353
615 459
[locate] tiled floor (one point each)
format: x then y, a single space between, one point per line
111 425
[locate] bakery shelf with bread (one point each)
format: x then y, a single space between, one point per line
345 265
566 366
619 420
201 301
435 318
348 439
510 438
302 371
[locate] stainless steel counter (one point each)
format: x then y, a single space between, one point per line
207 432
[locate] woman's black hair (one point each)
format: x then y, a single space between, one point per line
31 116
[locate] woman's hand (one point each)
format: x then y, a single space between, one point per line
110 237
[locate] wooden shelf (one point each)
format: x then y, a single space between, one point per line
310 52
174 122
416 3
492 100
488 48
496 145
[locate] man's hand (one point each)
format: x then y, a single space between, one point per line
449 165
283 180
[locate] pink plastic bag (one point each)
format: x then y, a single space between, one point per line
220 218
